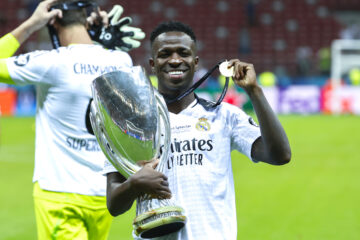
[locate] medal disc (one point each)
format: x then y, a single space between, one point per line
225 71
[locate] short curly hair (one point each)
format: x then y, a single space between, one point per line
172 26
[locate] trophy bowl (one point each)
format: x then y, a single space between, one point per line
129 118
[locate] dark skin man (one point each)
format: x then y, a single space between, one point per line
174 62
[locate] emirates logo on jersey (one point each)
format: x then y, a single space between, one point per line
203 125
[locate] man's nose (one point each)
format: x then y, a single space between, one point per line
175 59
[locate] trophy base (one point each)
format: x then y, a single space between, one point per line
159 222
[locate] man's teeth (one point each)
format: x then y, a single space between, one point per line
176 73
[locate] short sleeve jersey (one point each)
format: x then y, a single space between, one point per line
199 167
67 157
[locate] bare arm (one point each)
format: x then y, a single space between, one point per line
273 146
38 19
122 192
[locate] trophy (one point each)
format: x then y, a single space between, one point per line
129 117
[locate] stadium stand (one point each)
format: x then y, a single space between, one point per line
273 40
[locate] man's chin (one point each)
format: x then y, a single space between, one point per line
171 94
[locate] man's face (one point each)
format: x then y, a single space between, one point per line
174 62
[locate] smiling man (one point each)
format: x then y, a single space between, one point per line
198 172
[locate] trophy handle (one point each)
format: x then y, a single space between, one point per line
165 122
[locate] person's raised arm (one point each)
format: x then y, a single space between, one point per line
41 16
273 146
122 192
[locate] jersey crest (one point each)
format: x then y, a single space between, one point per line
203 125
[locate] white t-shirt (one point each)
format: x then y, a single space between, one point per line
67 157
199 167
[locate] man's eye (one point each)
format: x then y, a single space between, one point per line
163 55
184 54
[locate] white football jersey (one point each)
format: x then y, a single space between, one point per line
67 157
199 167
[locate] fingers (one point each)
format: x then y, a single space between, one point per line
138 34
122 22
115 14
242 70
163 191
104 18
161 195
98 18
53 14
47 3
153 164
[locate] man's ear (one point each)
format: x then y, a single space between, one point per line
196 63
152 64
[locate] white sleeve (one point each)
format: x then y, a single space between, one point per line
244 133
108 167
30 68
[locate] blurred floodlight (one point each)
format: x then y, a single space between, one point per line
266 19
279 45
21 14
311 2
136 19
222 6
170 13
222 32
292 25
278 6
322 12
189 2
156 6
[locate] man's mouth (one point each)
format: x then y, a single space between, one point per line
176 74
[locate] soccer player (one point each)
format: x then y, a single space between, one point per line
69 190
198 172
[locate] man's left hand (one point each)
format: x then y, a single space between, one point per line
244 74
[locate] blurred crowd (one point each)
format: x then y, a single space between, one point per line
290 39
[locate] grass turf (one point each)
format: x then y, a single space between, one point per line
314 197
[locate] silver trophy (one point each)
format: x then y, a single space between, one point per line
128 117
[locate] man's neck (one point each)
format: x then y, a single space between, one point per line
180 105
74 34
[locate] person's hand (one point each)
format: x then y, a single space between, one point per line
98 18
149 181
43 16
244 74
38 19
117 34
132 35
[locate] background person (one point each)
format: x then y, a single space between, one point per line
69 190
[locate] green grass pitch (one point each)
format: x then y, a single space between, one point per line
315 197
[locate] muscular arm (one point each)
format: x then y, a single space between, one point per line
122 192
273 146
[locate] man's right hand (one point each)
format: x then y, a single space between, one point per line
149 181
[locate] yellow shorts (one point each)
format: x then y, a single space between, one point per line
65 216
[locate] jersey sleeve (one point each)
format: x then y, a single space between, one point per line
29 68
244 132
8 45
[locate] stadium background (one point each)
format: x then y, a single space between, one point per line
289 42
